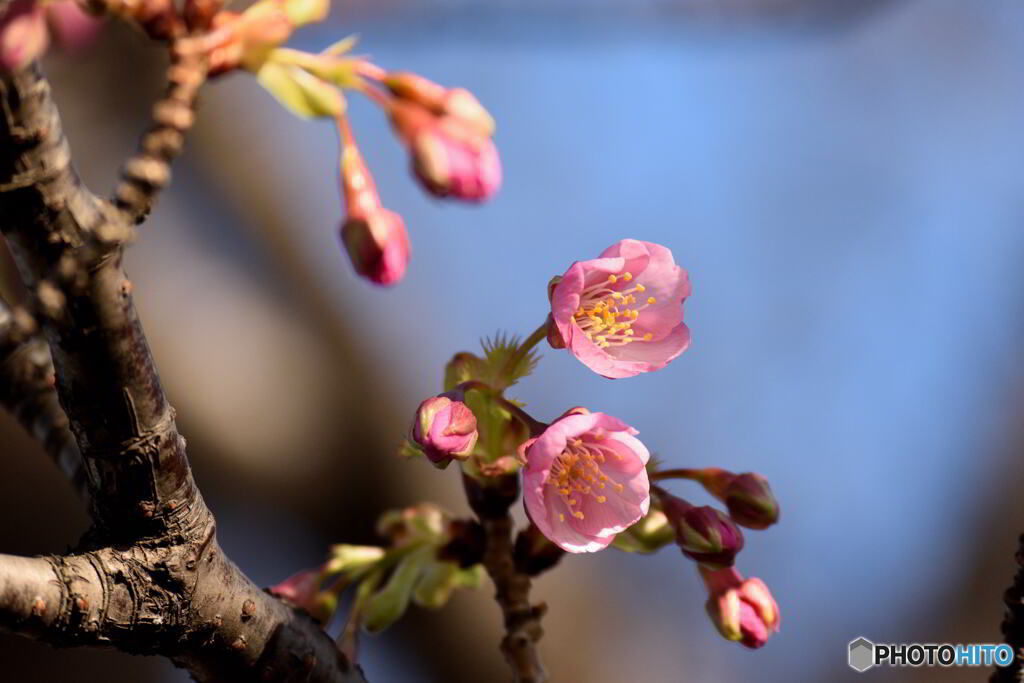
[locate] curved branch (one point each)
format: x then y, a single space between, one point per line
150 576
27 391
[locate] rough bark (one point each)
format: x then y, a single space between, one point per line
149 577
1013 624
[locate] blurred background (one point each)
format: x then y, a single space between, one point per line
843 181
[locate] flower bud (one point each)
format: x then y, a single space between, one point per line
456 102
704 534
748 496
444 429
451 164
742 610
23 34
449 156
303 590
377 245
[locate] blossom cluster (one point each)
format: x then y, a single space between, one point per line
588 481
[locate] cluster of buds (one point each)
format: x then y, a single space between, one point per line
742 610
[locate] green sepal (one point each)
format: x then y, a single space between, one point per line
300 92
389 603
648 535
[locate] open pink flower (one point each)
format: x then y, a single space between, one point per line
742 610
622 314
585 480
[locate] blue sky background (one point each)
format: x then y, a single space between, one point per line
848 202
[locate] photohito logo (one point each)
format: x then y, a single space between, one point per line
863 654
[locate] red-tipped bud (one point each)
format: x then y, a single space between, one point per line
455 102
23 34
704 534
374 237
449 156
748 496
444 429
742 610
303 590
377 245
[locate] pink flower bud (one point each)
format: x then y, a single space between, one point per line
455 102
450 157
444 429
377 245
72 27
585 480
622 314
23 34
303 590
742 610
748 496
704 534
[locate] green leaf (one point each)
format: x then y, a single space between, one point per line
389 603
435 584
300 92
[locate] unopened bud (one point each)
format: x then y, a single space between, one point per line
742 610
748 496
450 157
377 245
303 590
444 429
704 534
23 34
456 102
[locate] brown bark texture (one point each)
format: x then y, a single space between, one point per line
149 577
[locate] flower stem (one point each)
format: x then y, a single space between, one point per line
681 473
512 593
535 426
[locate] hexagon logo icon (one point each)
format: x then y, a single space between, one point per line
862 654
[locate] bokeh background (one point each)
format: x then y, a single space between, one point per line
843 181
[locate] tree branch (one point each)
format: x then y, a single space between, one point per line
27 391
150 576
512 592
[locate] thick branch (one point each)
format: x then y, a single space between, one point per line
151 576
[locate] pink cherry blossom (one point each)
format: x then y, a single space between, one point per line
585 480
742 610
622 314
